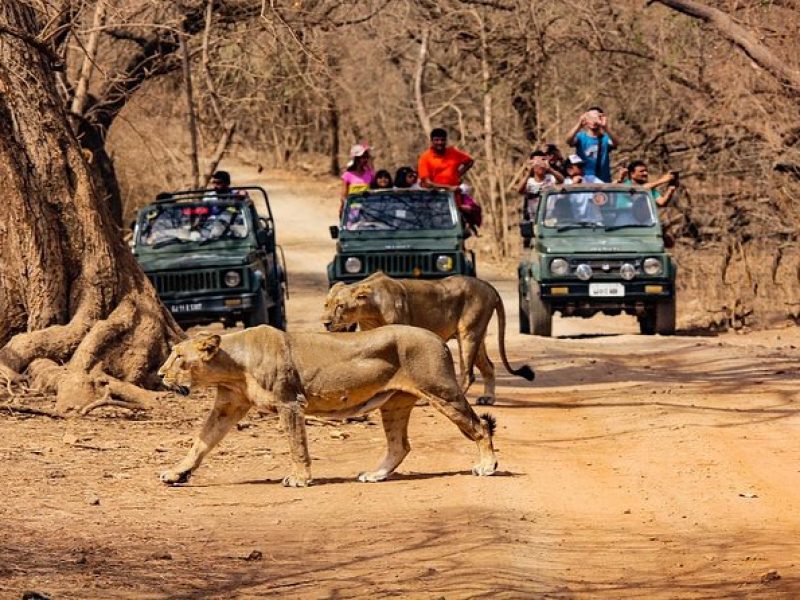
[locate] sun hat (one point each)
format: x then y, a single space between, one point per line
358 150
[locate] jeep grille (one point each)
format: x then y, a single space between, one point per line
399 264
605 269
186 281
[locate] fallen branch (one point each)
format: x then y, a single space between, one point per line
28 410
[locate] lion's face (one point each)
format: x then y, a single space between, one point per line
187 362
349 306
334 307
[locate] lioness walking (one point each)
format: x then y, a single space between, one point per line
326 374
456 307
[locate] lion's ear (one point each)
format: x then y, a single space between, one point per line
208 346
362 292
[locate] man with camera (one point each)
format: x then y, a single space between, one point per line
636 174
594 142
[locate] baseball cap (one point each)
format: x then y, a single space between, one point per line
358 150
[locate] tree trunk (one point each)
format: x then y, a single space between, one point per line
488 142
76 311
334 135
191 124
419 84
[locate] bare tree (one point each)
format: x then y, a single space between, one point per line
78 313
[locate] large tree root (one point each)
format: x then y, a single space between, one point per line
92 365
84 392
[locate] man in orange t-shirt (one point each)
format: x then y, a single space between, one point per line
442 166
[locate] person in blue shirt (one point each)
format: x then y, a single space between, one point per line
594 141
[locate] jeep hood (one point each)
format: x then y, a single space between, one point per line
604 244
419 241
211 259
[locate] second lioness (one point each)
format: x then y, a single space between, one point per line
455 307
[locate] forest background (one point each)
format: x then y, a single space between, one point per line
709 88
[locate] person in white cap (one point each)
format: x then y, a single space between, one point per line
359 175
573 167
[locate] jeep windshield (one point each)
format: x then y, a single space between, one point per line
607 210
198 223
406 211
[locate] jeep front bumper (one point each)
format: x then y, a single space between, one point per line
210 307
600 294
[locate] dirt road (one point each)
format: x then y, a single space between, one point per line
633 467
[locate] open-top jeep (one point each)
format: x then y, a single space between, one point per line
402 232
213 258
594 249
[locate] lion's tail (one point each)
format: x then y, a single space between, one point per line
524 371
490 422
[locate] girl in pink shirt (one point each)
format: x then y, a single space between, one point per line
359 174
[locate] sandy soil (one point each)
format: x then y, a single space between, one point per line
633 467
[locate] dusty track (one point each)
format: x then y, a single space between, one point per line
636 467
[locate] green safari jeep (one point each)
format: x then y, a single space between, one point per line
402 232
213 258
594 249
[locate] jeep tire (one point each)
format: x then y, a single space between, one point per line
259 315
277 314
540 315
524 322
659 318
665 317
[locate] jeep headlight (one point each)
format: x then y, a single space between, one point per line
232 278
627 271
583 271
652 266
352 265
559 266
444 263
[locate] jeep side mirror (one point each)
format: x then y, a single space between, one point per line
526 229
334 229
263 237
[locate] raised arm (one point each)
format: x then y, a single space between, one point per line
556 174
574 131
664 179
605 129
666 196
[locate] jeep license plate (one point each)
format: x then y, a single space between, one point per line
188 307
606 290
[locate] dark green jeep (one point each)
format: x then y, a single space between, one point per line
213 258
594 249
402 232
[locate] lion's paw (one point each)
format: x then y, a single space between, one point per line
485 401
372 476
484 470
172 477
295 481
